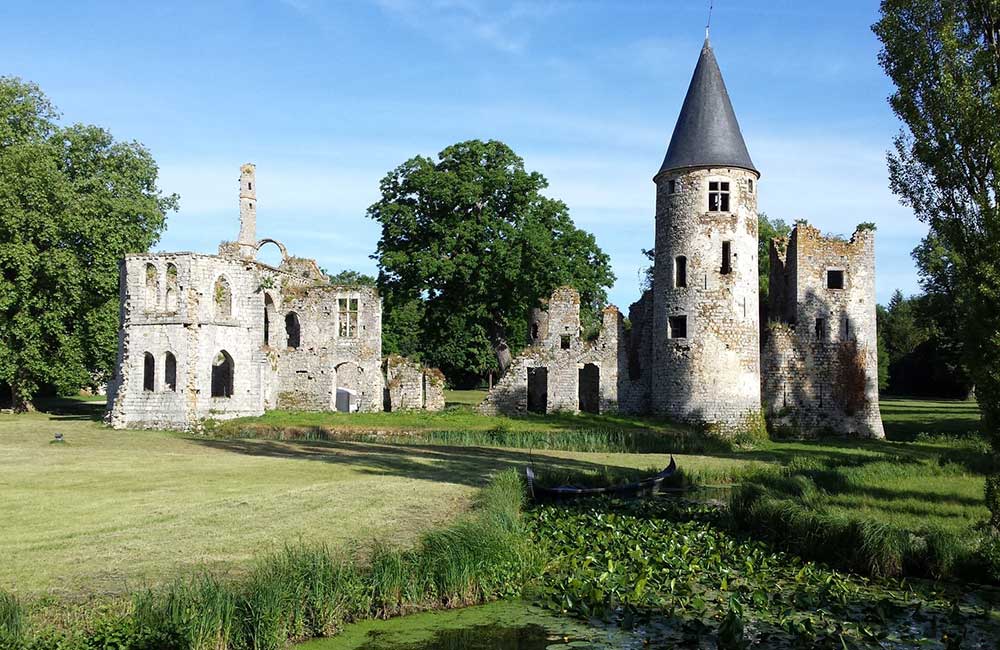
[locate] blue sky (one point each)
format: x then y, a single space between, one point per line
326 97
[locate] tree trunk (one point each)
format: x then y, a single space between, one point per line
21 403
503 356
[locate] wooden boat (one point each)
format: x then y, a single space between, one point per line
645 487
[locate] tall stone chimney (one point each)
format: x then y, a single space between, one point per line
248 212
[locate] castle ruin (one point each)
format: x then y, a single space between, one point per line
224 336
693 350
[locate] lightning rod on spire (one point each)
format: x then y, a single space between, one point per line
708 25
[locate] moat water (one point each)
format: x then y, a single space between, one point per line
498 626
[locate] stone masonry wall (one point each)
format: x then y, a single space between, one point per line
820 356
710 376
563 353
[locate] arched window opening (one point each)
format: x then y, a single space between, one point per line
292 330
223 297
680 271
152 287
222 375
170 372
171 295
269 312
148 373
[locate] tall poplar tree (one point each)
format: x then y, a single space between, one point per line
944 58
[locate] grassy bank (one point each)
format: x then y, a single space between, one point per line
307 591
911 505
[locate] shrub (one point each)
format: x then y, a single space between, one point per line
11 621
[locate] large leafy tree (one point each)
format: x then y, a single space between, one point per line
469 244
767 229
72 202
944 58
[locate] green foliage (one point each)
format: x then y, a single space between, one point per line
944 60
350 278
73 201
11 621
307 591
767 229
917 354
673 564
473 238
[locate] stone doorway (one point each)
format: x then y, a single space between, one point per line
347 393
538 390
590 389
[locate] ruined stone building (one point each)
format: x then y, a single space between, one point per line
693 349
223 336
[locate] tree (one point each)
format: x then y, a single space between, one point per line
900 330
348 277
473 239
767 229
73 201
944 58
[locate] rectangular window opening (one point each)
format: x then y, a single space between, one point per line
680 272
348 313
727 257
672 186
834 279
677 327
564 341
718 196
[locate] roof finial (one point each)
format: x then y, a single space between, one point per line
708 25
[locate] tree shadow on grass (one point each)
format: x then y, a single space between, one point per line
68 408
471 466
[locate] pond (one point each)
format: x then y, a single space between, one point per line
498 626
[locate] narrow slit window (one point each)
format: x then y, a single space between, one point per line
834 279
718 196
727 257
148 373
170 372
677 327
680 271
820 329
750 185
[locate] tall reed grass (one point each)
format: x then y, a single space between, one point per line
12 621
788 509
584 440
308 591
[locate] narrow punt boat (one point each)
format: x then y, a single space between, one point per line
645 487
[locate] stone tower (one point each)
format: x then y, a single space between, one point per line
248 212
706 327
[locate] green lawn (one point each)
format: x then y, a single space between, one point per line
111 510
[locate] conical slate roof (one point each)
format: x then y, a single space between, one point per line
707 132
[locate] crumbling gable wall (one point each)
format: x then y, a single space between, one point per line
819 355
339 347
410 386
559 362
